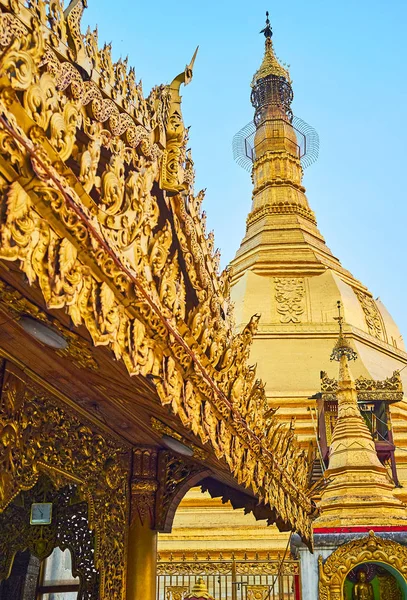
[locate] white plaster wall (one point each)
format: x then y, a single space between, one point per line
309 570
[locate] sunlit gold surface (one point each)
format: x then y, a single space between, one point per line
270 65
199 590
142 561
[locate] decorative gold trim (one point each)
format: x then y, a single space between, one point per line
210 565
389 389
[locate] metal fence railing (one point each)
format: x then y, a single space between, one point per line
230 579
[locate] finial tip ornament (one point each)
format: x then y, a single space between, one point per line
189 68
268 32
342 346
270 64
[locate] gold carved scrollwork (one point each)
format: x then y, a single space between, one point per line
219 565
372 315
77 51
40 436
143 498
333 572
390 388
290 299
257 592
144 485
176 592
68 529
173 473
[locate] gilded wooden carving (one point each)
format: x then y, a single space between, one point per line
258 592
372 548
176 592
77 349
99 211
68 530
212 565
39 436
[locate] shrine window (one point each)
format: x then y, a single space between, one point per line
56 580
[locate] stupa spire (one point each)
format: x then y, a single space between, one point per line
359 490
275 144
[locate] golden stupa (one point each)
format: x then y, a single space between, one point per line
285 271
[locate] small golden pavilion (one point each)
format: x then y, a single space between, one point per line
129 404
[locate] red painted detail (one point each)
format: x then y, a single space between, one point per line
297 588
359 529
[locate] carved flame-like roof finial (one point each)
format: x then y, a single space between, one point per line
342 346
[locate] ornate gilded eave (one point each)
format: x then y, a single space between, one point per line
368 390
99 212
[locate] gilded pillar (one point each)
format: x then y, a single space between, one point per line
141 561
142 539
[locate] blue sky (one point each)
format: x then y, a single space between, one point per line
348 65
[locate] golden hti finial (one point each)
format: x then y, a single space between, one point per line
270 64
342 346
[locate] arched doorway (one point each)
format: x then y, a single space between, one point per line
386 556
374 581
51 555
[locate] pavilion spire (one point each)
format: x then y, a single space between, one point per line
359 491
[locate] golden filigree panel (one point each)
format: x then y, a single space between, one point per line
68 529
372 316
290 299
39 435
